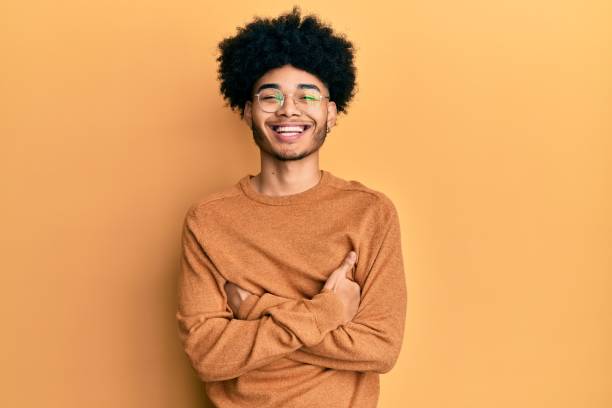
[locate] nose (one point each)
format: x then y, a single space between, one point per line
288 107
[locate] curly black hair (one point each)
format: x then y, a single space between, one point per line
265 44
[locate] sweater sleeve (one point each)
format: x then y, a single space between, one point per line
372 340
220 347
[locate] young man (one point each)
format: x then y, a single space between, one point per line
292 290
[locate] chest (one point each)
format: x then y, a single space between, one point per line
286 254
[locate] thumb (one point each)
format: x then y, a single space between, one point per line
350 267
344 270
243 292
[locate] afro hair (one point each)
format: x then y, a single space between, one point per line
306 44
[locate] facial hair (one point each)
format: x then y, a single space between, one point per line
318 138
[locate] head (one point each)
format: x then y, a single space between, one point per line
288 53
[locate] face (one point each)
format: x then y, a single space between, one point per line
285 146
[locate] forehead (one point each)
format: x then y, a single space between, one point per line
287 78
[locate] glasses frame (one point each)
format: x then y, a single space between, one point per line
283 101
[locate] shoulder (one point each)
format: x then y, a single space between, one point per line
211 202
374 198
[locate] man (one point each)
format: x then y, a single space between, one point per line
292 290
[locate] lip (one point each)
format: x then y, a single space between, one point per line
290 124
284 138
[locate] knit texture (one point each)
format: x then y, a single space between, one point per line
286 346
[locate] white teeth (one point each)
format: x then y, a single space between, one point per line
290 129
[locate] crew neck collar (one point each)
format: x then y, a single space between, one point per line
304 196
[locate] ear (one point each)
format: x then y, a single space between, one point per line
248 114
332 114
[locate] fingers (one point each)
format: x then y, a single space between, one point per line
350 259
350 273
330 284
344 270
347 265
243 293
233 288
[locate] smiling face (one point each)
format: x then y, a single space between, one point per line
290 144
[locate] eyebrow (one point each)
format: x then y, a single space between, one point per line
300 86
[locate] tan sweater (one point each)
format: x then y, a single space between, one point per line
286 346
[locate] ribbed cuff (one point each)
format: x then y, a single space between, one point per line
328 310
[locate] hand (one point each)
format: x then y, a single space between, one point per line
235 296
341 282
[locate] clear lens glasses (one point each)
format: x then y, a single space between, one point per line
270 100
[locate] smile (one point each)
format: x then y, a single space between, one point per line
287 133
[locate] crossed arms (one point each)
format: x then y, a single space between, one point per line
271 327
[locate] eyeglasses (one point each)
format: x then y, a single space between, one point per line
270 100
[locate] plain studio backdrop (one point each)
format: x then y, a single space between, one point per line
488 123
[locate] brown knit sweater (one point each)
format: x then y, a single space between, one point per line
286 346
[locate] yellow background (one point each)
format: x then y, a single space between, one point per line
488 123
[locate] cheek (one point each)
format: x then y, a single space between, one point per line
318 119
321 122
260 122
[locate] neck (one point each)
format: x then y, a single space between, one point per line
275 182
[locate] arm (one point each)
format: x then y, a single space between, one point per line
372 340
220 347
